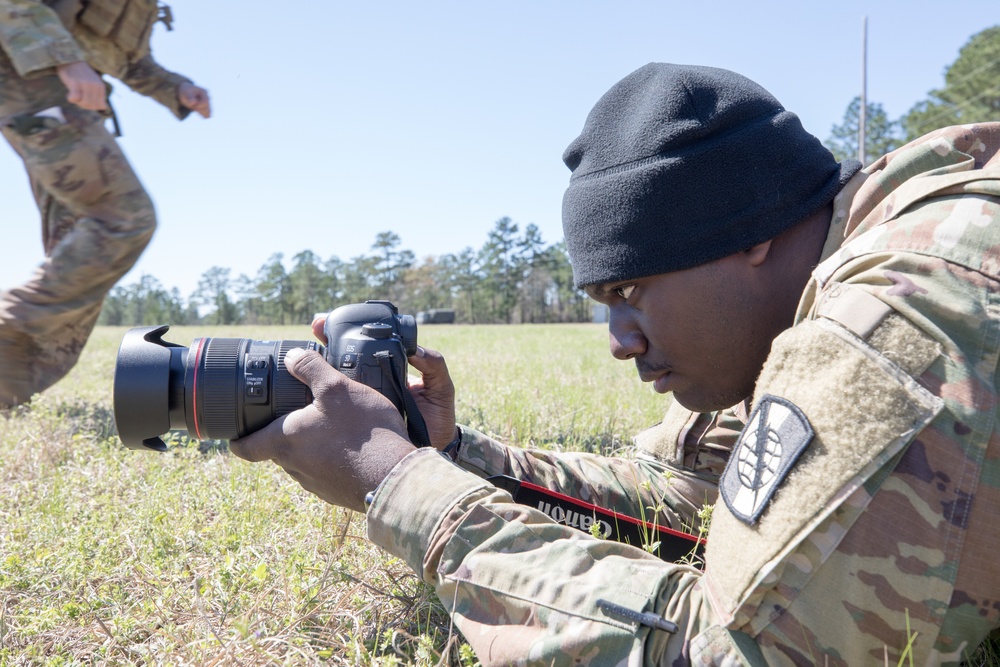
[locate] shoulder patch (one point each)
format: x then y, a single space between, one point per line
774 437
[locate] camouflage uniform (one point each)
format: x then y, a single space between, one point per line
96 216
880 532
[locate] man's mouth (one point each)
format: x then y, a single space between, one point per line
659 374
664 384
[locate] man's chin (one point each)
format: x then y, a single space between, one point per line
696 401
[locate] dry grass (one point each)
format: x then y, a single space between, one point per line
114 557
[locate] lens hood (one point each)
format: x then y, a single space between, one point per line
142 387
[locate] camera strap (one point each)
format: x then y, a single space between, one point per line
416 428
669 544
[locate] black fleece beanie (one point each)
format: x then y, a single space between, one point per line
679 165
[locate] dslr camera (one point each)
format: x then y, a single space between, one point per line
226 388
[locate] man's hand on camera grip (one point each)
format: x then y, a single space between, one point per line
434 393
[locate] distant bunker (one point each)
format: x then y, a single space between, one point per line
436 316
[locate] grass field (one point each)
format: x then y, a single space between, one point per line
194 557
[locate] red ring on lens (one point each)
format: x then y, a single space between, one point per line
194 388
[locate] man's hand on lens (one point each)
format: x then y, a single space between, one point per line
339 447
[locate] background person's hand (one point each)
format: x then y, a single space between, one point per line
339 447
84 87
434 392
194 98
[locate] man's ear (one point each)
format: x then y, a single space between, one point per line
758 253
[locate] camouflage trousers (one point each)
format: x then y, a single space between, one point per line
96 220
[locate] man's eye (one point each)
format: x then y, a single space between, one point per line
625 291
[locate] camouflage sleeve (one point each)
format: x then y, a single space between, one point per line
34 38
870 536
523 589
147 77
638 485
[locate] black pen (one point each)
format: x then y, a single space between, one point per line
640 617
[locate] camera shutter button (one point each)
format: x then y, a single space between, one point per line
377 330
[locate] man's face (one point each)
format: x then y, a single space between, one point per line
702 333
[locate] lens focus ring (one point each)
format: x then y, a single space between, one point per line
289 393
218 404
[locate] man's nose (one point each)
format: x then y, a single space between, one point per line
624 335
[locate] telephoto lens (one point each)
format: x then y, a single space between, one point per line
217 389
226 388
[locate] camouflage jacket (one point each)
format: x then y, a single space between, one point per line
112 36
855 515
674 467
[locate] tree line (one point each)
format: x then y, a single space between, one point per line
513 278
971 94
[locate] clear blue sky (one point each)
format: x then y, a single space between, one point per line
334 121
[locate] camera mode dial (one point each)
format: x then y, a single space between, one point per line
377 330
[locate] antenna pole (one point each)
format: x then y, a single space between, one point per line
862 120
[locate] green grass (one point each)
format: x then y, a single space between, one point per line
194 557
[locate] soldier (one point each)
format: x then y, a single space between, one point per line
96 216
830 338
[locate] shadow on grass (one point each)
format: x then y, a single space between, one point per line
98 421
987 654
